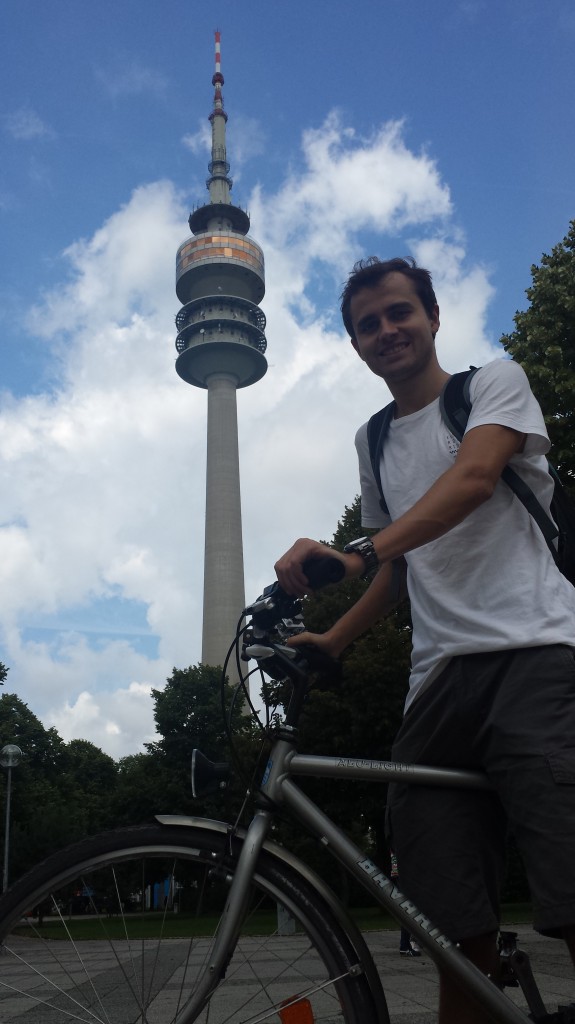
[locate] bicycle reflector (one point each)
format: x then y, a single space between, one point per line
207 776
299 1012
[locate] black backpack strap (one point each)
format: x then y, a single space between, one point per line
455 405
533 506
377 429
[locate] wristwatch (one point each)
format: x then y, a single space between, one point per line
364 547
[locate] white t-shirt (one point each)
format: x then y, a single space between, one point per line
490 583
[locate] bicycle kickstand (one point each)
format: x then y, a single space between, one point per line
516 971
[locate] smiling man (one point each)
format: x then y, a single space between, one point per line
492 684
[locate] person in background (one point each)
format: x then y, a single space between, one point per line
407 947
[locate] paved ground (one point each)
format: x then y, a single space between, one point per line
410 984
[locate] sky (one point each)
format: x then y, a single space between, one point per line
441 130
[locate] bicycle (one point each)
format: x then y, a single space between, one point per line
169 980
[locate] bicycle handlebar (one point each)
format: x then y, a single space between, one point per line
275 605
323 571
276 615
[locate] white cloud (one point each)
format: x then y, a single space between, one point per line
117 717
199 142
131 78
106 473
25 124
123 271
246 139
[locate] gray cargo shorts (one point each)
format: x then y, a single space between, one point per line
510 714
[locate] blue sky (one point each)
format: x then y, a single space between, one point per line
443 130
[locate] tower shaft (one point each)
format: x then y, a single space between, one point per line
224 596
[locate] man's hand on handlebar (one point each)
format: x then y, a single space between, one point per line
289 568
323 641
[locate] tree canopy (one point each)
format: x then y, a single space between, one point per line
356 713
543 342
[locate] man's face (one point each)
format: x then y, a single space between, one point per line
393 333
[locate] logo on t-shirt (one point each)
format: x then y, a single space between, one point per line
452 443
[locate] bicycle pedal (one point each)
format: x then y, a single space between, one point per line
507 976
563 1015
566 1013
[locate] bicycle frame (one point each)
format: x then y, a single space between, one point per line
278 790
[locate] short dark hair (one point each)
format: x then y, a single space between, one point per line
368 273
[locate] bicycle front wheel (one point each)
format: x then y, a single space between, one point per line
115 930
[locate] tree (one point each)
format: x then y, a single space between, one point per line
3 673
89 778
375 667
40 818
188 715
61 791
543 342
42 748
358 712
140 788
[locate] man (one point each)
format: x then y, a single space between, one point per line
492 684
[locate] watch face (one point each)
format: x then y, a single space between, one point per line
364 546
356 545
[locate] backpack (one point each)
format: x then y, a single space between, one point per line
455 405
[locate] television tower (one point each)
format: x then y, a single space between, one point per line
221 345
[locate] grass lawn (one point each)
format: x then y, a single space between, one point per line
374 919
151 925
144 926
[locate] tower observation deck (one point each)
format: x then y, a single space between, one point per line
221 347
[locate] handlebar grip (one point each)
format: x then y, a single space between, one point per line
323 571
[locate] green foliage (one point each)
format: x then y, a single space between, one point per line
372 691
3 673
544 344
60 791
42 748
188 715
89 777
358 714
37 806
140 789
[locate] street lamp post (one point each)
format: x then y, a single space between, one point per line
10 757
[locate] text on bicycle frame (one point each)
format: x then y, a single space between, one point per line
383 882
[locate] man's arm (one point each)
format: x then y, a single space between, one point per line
482 456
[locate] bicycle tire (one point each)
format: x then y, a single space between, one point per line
50 973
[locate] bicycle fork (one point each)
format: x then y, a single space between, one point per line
232 917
